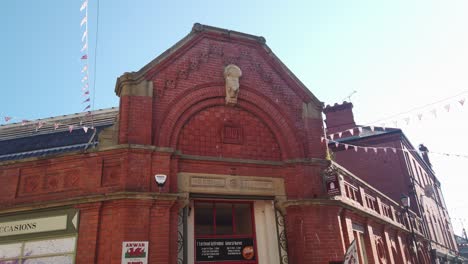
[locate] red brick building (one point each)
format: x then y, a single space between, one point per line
406 171
238 137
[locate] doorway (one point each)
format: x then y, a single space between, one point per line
224 232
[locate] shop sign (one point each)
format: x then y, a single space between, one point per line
227 249
34 225
333 185
135 252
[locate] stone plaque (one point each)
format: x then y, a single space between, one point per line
208 182
252 184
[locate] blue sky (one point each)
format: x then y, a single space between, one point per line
397 55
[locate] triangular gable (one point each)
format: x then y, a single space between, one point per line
200 31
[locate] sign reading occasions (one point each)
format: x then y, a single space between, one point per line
225 249
34 225
135 252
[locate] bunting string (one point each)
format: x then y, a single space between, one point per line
376 150
419 114
84 58
38 124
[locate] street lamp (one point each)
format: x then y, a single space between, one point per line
405 201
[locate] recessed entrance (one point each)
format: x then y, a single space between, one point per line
224 232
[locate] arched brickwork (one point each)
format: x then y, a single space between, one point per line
212 94
228 132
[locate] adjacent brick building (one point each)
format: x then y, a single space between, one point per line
393 166
248 180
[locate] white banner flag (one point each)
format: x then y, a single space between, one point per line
351 256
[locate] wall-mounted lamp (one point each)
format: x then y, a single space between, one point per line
405 201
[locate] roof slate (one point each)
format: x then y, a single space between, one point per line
47 144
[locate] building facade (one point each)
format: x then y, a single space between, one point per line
406 171
235 139
462 243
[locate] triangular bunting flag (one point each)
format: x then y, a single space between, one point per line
346 146
407 119
420 115
85 129
365 149
87 100
375 150
385 150
332 136
84 57
40 124
70 128
24 121
372 128
434 112
85 68
395 123
394 150
337 144
85 34
85 47
383 126
462 101
339 134
85 78
56 126
355 148
86 93
360 130
86 108
7 118
83 21
322 139
351 131
84 5
447 107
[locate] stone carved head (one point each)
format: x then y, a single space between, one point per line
232 73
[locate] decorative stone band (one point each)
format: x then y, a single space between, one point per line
217 184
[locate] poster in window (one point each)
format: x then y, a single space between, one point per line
223 249
135 252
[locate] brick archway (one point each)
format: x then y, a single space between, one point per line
212 94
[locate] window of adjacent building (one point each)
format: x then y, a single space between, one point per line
53 251
362 248
358 232
417 172
410 168
426 177
423 180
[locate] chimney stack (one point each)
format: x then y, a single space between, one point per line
424 153
339 117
